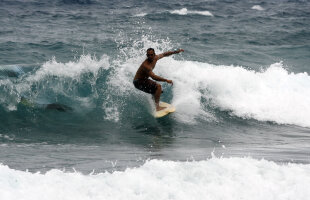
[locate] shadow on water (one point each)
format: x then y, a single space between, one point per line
160 127
154 133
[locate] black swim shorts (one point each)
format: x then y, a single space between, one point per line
146 85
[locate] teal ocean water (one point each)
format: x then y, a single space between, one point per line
71 118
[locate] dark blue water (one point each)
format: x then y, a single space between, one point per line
67 100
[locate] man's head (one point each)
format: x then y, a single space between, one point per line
150 53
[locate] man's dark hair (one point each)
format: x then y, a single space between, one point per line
150 49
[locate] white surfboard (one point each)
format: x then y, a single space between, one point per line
168 109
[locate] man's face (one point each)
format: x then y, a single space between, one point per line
150 55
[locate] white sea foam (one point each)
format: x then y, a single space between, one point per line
184 11
217 178
70 71
73 69
271 95
257 7
111 111
141 14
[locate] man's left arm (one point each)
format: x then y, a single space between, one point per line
169 53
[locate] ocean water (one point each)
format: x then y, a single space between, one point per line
72 125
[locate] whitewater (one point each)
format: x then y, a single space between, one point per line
216 178
272 94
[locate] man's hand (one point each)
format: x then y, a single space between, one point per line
168 53
169 81
178 51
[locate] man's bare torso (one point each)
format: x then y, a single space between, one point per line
145 68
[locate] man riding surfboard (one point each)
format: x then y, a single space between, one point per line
141 80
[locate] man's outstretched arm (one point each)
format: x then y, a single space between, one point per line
169 53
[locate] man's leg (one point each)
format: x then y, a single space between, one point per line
157 97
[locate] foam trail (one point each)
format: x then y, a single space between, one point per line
141 15
184 11
257 7
217 178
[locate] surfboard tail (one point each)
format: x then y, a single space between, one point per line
168 109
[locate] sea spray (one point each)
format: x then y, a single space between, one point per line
271 95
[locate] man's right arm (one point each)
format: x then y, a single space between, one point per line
158 78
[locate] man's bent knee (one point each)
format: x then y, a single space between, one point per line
158 87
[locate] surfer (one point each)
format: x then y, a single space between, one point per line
141 80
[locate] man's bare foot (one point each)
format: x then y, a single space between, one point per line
158 108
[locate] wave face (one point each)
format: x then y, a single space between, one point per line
105 86
225 178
